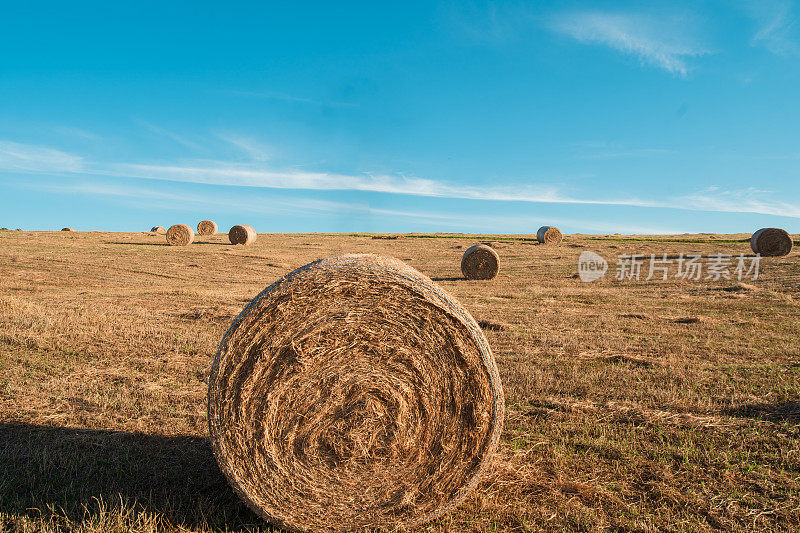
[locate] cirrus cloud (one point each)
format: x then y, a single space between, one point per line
665 42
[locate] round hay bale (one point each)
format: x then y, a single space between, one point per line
242 235
549 235
771 242
67 229
354 393
180 235
158 229
480 262
206 227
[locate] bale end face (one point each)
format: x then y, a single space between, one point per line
771 242
180 235
549 235
206 227
354 393
480 262
242 234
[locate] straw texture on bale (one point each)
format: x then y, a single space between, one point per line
180 235
771 242
354 393
67 229
242 235
158 229
480 262
549 235
206 227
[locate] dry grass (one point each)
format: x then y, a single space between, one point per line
630 406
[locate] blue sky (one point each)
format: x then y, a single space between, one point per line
598 117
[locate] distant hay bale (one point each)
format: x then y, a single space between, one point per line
480 262
158 229
67 229
771 242
354 393
180 235
242 235
206 227
549 235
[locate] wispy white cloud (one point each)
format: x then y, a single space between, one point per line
254 149
777 26
147 197
71 131
489 23
28 158
750 200
20 157
662 41
163 132
713 199
144 196
245 175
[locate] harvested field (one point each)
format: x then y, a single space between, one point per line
651 405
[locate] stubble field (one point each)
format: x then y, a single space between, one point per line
631 405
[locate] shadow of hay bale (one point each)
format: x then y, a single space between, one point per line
774 412
492 326
51 472
137 243
630 360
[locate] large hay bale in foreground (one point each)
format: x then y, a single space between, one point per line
549 235
242 235
354 393
158 229
480 262
180 235
206 227
771 242
67 229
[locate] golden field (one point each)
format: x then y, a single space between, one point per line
642 406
